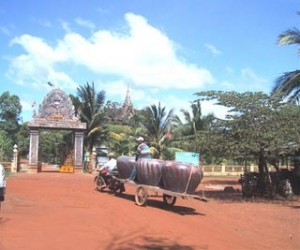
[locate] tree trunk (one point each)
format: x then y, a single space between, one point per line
264 181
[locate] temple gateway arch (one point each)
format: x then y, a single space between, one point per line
56 112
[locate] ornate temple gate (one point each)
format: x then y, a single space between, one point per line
56 113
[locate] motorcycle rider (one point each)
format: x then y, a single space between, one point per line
110 165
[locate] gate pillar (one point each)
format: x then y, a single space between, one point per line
34 149
78 149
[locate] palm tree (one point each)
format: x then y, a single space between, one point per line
157 123
89 105
288 85
195 122
120 138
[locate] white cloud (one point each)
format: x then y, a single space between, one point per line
26 106
213 49
85 23
143 55
38 66
210 107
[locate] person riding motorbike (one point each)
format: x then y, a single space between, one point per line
106 174
110 165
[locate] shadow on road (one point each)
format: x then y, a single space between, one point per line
236 196
128 242
181 210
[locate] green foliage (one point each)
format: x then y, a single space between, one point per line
6 147
54 146
257 126
120 139
22 140
157 123
254 122
89 105
185 135
113 111
288 85
10 110
290 36
169 153
195 119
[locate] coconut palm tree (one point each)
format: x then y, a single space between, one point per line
195 122
288 85
157 124
90 109
195 119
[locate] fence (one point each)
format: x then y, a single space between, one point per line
230 170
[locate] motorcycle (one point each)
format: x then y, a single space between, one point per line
105 180
249 183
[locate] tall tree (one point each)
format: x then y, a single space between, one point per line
255 126
89 105
6 147
157 123
189 131
193 120
23 140
10 110
288 85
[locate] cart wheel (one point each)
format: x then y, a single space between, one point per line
169 200
141 196
99 181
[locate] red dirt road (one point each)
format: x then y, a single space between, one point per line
63 211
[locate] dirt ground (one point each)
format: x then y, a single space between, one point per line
64 211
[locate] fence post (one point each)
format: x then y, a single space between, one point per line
251 168
14 165
94 158
223 169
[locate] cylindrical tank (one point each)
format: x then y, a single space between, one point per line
149 171
181 177
125 164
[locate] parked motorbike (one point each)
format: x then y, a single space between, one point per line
249 182
104 180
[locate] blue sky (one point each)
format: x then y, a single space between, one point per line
165 50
